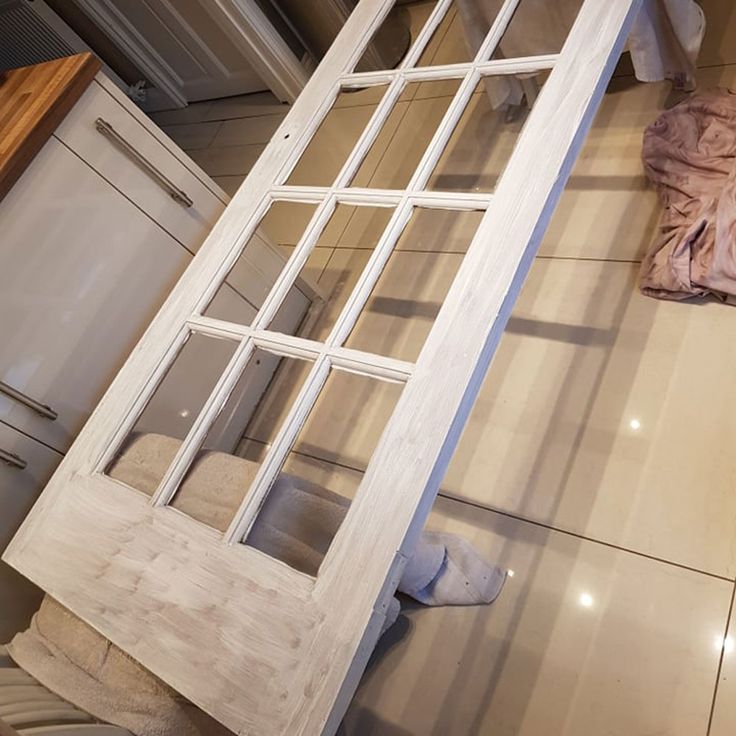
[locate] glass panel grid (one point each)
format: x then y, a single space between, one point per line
330 433
397 80
331 353
202 424
298 346
425 35
472 76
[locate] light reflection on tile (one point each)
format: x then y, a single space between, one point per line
584 639
724 712
551 437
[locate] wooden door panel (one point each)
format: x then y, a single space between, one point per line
263 648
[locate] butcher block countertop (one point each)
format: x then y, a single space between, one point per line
33 101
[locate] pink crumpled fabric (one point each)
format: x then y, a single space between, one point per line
689 156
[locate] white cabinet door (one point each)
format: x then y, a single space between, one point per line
113 157
22 479
83 273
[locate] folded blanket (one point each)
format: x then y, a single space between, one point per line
689 155
296 525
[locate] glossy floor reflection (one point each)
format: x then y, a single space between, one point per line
585 639
597 464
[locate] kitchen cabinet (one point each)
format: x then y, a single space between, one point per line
92 243
27 465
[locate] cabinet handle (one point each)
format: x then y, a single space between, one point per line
111 134
37 406
12 459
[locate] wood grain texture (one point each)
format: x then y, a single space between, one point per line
261 647
33 101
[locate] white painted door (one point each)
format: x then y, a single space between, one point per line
264 648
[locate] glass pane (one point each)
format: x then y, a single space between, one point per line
281 226
537 27
390 43
305 508
333 142
409 293
148 450
485 136
459 36
401 143
219 478
351 227
395 35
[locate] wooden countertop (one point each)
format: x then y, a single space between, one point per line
33 101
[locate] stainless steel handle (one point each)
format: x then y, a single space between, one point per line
12 459
21 398
110 133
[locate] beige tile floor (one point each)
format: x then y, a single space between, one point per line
598 462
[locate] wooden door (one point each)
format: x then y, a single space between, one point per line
264 648
193 50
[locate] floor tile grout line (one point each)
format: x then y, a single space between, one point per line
217 132
286 107
523 519
332 250
584 538
188 149
632 261
344 466
720 663
715 66
210 147
216 176
270 114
